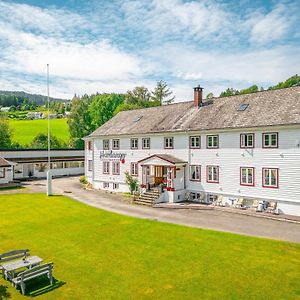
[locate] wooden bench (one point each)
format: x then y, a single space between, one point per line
12 256
35 272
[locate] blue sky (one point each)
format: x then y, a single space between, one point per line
113 46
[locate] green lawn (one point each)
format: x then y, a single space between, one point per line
101 255
25 130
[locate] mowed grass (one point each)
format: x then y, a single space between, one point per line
24 131
102 255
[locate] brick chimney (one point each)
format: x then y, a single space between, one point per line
198 96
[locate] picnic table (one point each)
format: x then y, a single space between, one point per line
10 268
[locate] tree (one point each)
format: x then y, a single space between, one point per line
102 108
5 134
137 95
229 92
79 121
40 141
209 96
161 92
132 182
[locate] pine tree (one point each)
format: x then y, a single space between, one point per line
161 92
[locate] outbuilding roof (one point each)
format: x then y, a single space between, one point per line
4 162
260 109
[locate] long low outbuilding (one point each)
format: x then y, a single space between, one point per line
33 163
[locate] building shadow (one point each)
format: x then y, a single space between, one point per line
4 294
42 286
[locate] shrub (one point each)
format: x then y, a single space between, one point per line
132 182
83 180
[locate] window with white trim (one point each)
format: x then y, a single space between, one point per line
212 141
134 169
247 176
106 167
134 143
146 143
247 140
90 165
169 143
2 172
115 186
89 145
105 144
212 174
270 177
195 173
116 168
116 144
105 185
270 140
195 142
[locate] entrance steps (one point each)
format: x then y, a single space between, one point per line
148 198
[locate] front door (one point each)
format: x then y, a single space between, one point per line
158 175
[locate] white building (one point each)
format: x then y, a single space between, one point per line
35 115
5 109
34 163
240 146
5 171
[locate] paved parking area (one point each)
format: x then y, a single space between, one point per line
211 219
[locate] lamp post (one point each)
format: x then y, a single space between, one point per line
49 176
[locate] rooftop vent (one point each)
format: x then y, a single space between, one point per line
243 107
137 119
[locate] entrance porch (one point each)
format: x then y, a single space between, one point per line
166 173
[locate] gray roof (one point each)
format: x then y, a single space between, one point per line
167 157
4 162
266 108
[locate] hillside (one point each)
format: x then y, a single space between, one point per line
9 98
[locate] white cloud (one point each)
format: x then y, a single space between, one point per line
272 26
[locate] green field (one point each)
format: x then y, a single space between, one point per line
102 255
25 130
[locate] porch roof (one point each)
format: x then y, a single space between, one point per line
4 162
165 159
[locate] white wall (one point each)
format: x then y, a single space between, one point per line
229 157
8 175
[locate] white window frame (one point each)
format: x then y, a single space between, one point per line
245 175
169 142
115 186
146 143
245 141
214 141
106 167
269 134
116 168
106 144
90 165
115 144
194 140
105 185
195 170
134 169
213 174
134 143
267 173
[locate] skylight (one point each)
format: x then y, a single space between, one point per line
243 107
137 119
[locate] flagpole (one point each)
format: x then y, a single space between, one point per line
49 176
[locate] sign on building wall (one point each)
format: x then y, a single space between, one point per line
112 156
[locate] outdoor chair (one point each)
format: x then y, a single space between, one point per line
255 204
272 207
187 196
240 203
